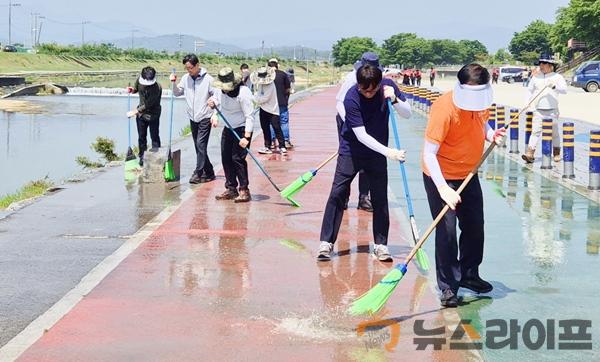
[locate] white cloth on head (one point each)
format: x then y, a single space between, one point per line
473 97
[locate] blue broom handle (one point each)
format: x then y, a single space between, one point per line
171 114
128 119
247 149
402 169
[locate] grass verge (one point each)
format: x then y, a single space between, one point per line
32 189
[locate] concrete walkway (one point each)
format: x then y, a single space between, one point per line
216 280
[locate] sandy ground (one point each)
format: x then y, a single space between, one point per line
576 104
19 106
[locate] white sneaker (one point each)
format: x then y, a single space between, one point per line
283 150
325 249
265 151
382 253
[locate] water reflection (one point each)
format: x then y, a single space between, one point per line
36 145
593 236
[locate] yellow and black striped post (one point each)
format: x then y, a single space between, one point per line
514 130
528 127
547 143
594 183
568 150
500 120
492 117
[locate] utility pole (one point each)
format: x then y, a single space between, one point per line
133 31
10 6
83 31
33 28
262 49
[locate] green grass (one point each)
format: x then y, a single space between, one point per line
187 130
22 63
32 189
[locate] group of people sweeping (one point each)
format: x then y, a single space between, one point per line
230 96
453 146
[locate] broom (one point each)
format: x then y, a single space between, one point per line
301 181
169 170
374 299
131 163
422 260
264 172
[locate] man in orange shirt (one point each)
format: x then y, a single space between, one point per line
454 142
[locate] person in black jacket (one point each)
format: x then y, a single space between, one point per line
147 113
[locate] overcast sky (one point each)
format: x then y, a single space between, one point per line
314 23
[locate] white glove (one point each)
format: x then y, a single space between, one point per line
449 196
396 155
499 136
132 113
388 92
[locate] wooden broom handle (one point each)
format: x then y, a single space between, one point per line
334 155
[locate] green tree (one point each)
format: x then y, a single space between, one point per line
579 20
445 51
534 38
394 46
472 50
349 50
501 56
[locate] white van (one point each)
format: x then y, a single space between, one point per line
508 74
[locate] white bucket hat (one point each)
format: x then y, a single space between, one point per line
143 81
473 97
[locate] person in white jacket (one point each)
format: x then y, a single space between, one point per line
196 85
235 103
551 84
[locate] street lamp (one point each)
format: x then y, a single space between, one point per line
10 6
82 31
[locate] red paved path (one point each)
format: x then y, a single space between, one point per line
225 281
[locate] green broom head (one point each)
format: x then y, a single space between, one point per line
422 260
297 185
293 202
131 163
169 170
373 300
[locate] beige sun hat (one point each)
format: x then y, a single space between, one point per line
263 75
227 79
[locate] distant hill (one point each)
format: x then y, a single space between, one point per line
185 43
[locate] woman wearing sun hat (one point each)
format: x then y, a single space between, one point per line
147 113
454 141
235 102
553 84
266 98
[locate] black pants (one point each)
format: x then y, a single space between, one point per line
268 120
347 167
450 267
234 159
363 179
200 136
432 80
143 122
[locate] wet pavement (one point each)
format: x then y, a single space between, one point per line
218 280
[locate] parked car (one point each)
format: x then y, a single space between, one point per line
511 78
509 74
587 76
9 48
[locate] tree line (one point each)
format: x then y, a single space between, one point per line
409 50
579 20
